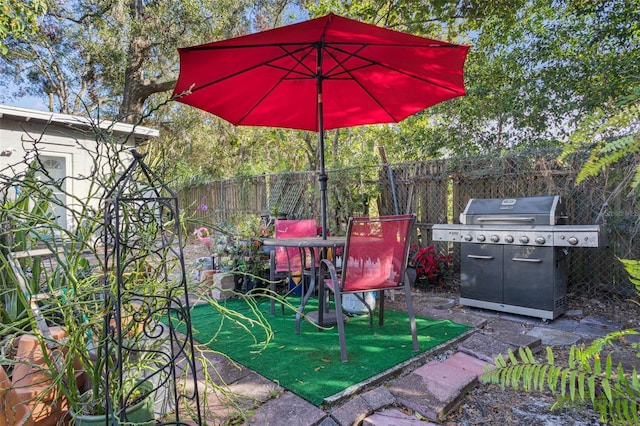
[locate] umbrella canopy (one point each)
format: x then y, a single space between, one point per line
321 74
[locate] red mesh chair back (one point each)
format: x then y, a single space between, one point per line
376 252
374 259
288 258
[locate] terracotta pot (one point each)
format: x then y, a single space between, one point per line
14 403
28 398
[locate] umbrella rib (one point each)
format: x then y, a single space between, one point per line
286 76
372 63
300 62
340 64
244 70
349 71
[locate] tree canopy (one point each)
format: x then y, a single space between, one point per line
535 68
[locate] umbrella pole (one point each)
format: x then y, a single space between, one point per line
322 178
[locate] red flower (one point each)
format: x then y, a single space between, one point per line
319 231
428 262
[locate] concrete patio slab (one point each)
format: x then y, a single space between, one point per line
434 389
552 337
353 412
394 417
562 323
471 320
467 363
436 302
483 347
287 409
378 398
519 340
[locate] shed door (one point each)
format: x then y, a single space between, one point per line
56 167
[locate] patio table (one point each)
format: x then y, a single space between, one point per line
312 244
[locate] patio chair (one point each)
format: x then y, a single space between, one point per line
286 263
374 259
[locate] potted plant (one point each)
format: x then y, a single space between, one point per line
429 265
253 263
237 248
92 356
73 366
68 287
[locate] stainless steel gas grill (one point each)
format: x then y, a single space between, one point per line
513 253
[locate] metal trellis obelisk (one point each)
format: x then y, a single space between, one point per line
145 281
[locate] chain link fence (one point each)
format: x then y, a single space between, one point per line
437 192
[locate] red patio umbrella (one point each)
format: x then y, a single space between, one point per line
321 74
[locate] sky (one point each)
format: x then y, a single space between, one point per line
31 102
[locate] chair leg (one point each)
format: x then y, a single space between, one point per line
380 296
412 318
286 286
272 281
340 324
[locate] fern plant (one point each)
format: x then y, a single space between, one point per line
613 135
633 269
612 392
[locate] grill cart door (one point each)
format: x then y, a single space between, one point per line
481 272
534 277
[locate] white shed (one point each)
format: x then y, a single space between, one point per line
64 143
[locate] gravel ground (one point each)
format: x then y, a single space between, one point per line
488 404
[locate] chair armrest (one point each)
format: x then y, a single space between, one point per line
327 265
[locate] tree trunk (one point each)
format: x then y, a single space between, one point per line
137 88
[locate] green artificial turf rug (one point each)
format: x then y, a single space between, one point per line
308 364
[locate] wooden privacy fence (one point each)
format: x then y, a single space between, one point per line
438 191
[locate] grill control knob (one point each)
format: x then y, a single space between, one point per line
495 238
572 240
508 239
468 237
540 240
481 237
524 239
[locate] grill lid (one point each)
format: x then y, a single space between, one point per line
543 210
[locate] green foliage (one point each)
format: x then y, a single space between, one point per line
19 19
28 220
349 197
75 287
613 393
113 54
633 269
613 135
534 69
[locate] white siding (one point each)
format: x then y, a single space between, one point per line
64 137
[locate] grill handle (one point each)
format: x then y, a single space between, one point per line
503 219
522 259
477 256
